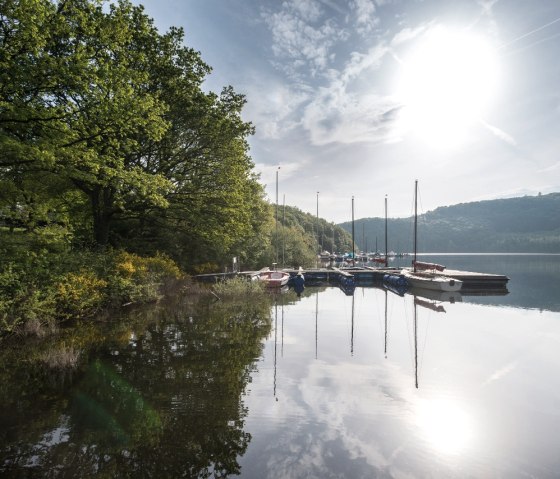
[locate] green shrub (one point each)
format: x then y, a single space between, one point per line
79 294
140 279
238 286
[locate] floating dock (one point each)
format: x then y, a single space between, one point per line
474 283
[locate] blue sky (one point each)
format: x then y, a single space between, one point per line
361 97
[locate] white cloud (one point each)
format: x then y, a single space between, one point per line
554 167
303 37
366 19
273 106
502 135
407 34
339 116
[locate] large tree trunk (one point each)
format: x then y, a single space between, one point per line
101 203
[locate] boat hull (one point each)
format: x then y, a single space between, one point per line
274 279
432 281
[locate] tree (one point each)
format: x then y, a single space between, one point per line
74 100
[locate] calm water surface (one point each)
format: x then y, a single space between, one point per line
372 384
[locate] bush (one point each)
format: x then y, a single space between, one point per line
23 303
36 289
238 286
79 294
139 279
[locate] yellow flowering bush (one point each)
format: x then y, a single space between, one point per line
79 294
139 279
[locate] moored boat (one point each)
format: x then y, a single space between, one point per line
432 281
274 279
427 275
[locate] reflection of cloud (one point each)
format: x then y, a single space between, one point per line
501 373
332 422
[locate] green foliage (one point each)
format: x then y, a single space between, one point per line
140 279
38 289
79 294
238 287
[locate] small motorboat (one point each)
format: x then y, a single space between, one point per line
274 279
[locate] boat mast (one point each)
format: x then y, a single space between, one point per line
386 246
353 244
415 223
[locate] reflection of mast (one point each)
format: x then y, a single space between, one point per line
352 330
415 347
316 316
385 324
275 343
426 304
282 348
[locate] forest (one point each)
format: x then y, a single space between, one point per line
528 224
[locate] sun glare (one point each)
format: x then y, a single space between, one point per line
445 426
447 82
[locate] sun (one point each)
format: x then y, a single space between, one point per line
447 82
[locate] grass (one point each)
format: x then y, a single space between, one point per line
238 286
61 358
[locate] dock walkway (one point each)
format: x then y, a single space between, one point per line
472 282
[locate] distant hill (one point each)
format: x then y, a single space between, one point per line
529 224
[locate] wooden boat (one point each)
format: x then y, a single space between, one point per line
427 275
274 279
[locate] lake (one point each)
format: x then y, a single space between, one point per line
326 385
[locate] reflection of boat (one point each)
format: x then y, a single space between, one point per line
274 279
426 275
443 296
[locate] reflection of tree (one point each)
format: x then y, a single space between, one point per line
168 404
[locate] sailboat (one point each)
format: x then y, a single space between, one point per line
427 275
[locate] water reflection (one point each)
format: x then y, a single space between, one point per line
376 383
415 384
161 401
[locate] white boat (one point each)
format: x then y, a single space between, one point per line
274 279
432 281
427 275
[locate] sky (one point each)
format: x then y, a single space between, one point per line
360 98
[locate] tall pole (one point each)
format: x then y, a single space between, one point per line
386 248
283 230
276 242
353 249
318 234
415 223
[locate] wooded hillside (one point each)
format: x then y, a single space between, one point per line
529 224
